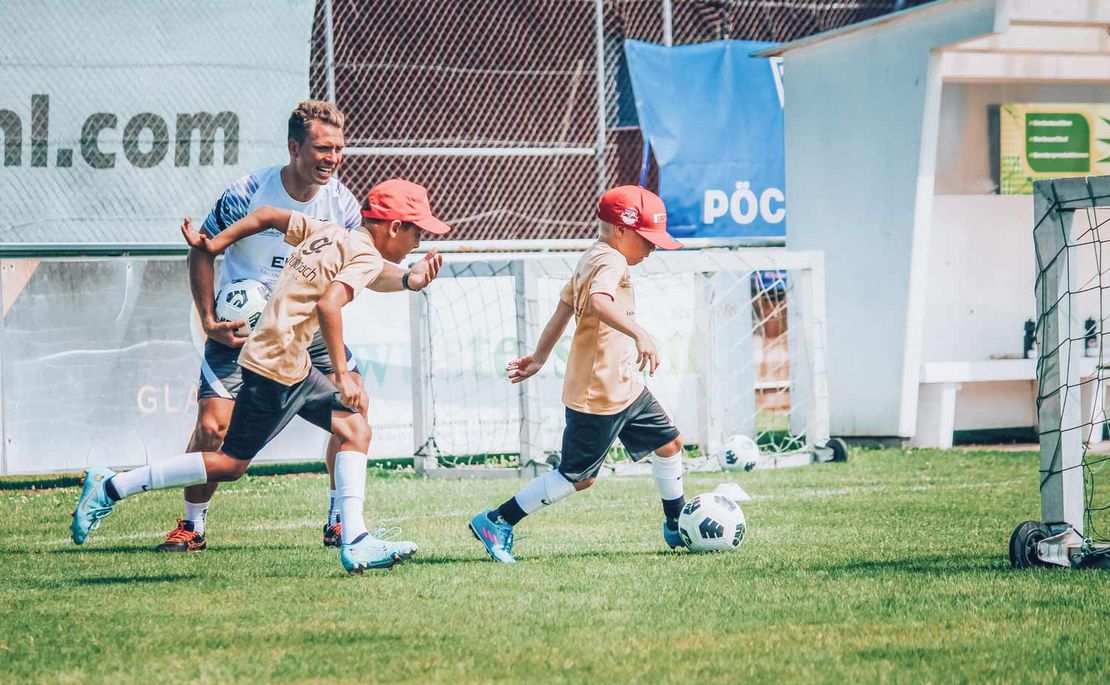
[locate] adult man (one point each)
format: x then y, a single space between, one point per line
306 184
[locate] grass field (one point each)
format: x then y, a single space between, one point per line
890 568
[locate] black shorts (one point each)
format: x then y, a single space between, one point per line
642 426
220 375
265 407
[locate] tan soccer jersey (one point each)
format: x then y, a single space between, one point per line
324 252
601 378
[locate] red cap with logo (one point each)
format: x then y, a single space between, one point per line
639 209
404 201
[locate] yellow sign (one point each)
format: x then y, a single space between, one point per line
1047 140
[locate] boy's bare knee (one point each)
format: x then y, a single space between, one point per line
221 467
670 449
240 468
582 485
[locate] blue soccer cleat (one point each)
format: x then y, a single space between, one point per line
94 503
497 537
673 538
368 552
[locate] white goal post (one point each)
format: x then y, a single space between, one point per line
1071 235
741 331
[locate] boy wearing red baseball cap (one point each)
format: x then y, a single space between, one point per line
604 395
328 266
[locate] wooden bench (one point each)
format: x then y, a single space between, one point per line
941 381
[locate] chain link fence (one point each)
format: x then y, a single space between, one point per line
516 114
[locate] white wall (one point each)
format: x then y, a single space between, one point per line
979 289
855 120
982 267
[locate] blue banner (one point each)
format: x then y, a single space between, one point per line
713 116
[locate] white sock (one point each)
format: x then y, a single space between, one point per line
197 514
668 479
350 491
668 475
177 472
333 508
543 491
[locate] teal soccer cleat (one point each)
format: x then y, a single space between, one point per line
368 552
497 537
94 503
673 538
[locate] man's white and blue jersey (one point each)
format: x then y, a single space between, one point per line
262 256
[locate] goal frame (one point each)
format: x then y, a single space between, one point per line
807 293
1067 405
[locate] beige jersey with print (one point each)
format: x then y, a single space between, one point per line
324 252
601 378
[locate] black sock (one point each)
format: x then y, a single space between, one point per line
671 509
510 512
110 490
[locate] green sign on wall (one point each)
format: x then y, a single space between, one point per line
1051 140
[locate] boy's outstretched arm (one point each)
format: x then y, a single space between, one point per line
423 272
611 315
528 366
255 222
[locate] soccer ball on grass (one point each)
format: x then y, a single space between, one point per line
712 522
740 452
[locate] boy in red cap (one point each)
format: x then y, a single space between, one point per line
328 266
604 395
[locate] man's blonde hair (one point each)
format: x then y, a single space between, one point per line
313 110
604 230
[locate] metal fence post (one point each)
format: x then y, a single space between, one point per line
599 36
329 49
668 23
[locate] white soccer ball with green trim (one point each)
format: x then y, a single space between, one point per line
242 300
712 522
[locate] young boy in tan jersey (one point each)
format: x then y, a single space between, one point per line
604 395
328 266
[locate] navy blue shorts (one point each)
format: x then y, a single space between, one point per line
221 375
265 407
642 427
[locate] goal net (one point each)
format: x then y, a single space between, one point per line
740 331
1072 242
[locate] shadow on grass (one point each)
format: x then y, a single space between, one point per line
541 557
146 549
955 564
74 549
136 580
435 560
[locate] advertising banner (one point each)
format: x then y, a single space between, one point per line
713 115
117 118
1039 141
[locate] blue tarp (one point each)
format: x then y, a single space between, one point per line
713 116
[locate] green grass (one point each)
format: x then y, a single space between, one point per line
890 568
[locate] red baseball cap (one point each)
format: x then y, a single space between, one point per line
405 201
639 209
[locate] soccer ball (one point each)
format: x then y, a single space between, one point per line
740 452
711 522
242 300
